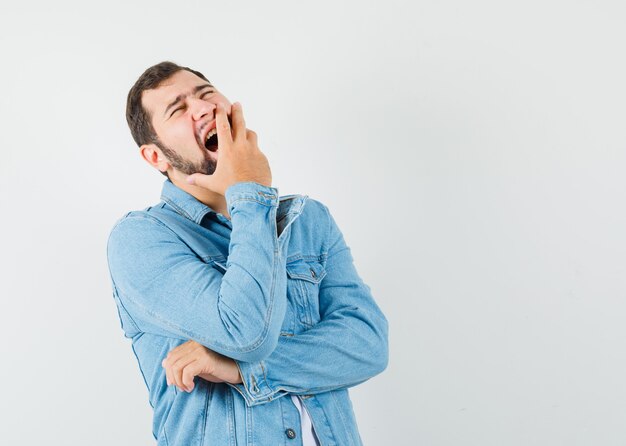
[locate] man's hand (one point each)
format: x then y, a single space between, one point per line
191 359
238 156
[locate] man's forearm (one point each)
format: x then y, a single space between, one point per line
327 357
348 346
171 291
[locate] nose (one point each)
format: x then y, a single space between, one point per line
200 108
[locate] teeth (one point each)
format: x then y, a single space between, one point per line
211 133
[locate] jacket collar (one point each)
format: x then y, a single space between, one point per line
189 206
183 202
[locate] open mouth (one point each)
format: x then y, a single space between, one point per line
211 141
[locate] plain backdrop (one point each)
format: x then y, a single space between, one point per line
472 153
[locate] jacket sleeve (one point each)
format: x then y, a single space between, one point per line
348 346
169 291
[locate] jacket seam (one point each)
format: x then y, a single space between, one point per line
207 407
343 419
177 208
136 326
237 200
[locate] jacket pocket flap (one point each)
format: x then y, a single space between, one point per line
310 271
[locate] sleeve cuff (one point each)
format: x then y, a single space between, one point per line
250 191
255 389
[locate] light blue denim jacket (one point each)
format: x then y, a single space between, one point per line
274 288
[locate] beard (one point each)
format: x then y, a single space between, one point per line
207 166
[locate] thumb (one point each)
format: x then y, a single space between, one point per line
191 179
199 179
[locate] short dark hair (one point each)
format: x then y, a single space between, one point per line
138 118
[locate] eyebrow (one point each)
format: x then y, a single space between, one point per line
180 97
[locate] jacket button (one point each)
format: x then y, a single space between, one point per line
291 434
313 274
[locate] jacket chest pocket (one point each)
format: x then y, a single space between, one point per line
303 284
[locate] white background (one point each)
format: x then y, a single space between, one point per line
472 153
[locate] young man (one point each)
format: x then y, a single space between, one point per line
246 314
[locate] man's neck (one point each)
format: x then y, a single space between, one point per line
213 200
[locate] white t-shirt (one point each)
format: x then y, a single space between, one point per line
308 434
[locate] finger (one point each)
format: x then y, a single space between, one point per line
176 353
202 180
189 373
173 356
179 366
251 136
239 123
168 374
224 137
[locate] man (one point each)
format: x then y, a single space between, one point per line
234 297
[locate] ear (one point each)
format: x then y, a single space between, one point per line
153 156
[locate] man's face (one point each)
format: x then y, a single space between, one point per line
182 110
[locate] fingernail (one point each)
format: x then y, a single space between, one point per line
189 180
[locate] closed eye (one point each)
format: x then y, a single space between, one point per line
179 108
202 96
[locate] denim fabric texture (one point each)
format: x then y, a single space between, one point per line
274 288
